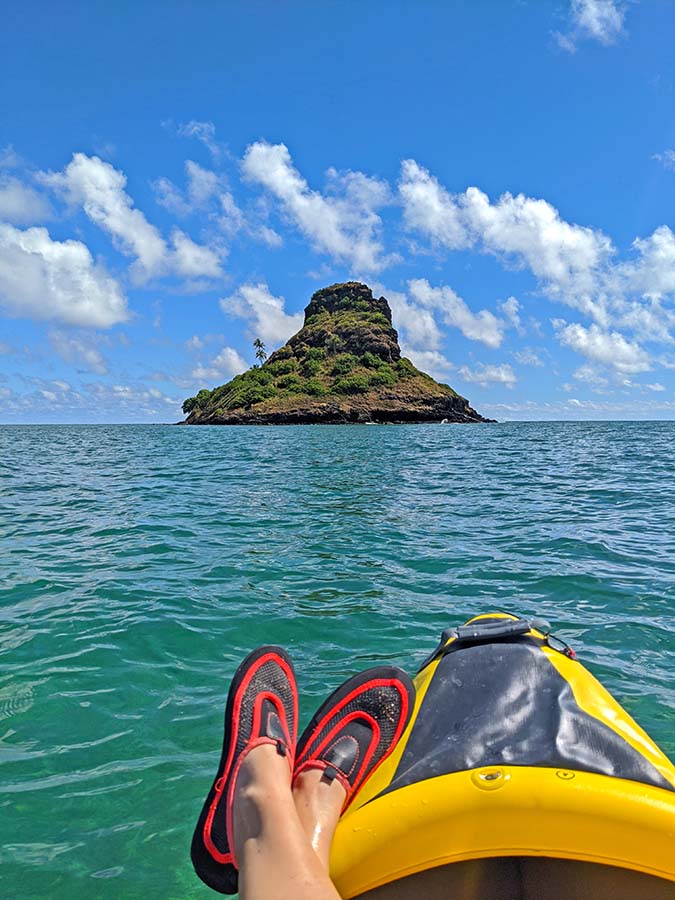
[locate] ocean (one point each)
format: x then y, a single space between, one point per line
138 564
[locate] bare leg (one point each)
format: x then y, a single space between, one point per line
276 858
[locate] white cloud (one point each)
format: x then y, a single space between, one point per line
607 347
343 224
530 232
202 186
601 20
528 357
231 218
653 273
204 132
265 313
207 193
482 326
485 375
45 279
100 190
21 204
597 20
78 349
523 231
588 374
194 343
667 159
93 401
226 364
417 323
194 260
511 310
584 409
268 236
433 362
9 158
430 209
572 264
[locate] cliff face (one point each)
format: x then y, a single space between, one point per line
344 365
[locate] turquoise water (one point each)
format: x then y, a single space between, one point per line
139 563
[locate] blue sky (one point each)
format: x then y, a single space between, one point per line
177 179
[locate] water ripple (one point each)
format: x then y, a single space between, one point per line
140 563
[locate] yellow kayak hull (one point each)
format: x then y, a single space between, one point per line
500 810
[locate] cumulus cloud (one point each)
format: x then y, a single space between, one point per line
417 323
609 348
99 189
531 233
482 326
430 209
265 313
45 279
226 364
21 204
193 260
525 232
652 274
572 264
78 349
415 314
597 20
485 375
343 222
433 362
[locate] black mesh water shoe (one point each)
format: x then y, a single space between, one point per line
262 708
357 727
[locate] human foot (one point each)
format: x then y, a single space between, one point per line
263 785
318 803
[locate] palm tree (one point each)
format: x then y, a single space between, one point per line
260 352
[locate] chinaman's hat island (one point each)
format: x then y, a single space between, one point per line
344 366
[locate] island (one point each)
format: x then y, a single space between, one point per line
344 366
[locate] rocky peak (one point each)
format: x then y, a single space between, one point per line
346 318
352 296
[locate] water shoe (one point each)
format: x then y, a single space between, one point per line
262 708
357 728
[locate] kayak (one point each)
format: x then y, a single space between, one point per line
519 776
